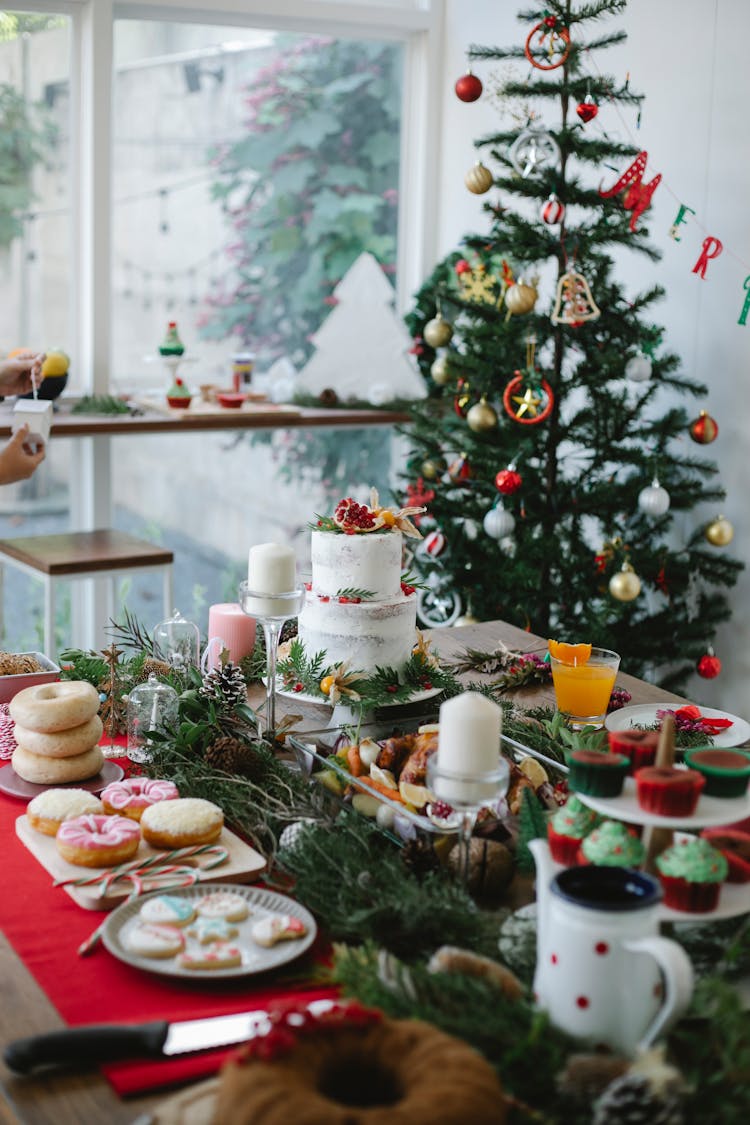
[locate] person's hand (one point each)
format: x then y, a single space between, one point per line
18 460
16 373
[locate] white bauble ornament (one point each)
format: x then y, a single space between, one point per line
498 523
654 500
638 368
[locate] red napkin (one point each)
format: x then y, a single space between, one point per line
45 927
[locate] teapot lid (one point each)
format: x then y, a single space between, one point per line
607 888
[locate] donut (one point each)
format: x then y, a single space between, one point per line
48 810
56 771
223 904
182 823
63 743
57 706
132 795
362 1071
98 841
220 955
167 909
148 940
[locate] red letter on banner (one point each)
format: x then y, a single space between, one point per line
638 196
711 249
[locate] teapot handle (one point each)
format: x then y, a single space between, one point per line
678 982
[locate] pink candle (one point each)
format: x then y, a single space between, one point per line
227 621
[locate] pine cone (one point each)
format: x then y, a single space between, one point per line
419 857
234 756
585 1077
225 686
632 1100
158 667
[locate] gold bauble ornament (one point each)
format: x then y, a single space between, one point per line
432 468
625 585
441 370
465 619
437 332
719 532
520 298
481 417
478 179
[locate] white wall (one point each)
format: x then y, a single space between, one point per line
691 66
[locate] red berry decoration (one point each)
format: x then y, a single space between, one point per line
704 429
351 516
469 87
462 266
508 481
709 665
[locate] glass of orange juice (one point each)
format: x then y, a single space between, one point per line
583 679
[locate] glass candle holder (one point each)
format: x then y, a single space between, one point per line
152 706
178 642
466 793
271 610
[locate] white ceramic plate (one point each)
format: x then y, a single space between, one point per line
644 715
255 958
710 811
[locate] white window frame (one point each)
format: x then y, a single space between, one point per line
418 24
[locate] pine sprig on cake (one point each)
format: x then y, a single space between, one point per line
296 667
355 594
325 523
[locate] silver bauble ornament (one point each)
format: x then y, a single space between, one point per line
654 500
437 332
498 522
719 532
638 368
441 370
291 835
481 417
625 585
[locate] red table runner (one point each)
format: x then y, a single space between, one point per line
45 927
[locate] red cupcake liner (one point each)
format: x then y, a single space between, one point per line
670 798
739 868
638 755
564 849
692 898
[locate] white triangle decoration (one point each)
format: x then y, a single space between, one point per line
361 349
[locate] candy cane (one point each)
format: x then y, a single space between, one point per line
213 853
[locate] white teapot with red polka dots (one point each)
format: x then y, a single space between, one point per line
603 973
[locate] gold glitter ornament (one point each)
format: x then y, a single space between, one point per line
441 370
625 585
719 532
478 179
437 332
481 417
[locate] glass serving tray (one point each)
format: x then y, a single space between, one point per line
315 753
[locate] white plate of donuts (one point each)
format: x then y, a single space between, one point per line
209 931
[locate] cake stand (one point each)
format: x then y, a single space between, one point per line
347 714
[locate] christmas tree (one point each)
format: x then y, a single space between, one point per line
553 435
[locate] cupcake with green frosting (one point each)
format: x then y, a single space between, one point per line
567 828
612 845
691 872
178 395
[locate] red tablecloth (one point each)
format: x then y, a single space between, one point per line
45 927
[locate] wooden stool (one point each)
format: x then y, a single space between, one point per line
84 554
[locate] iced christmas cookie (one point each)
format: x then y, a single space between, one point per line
167 909
220 955
207 930
148 940
223 904
277 927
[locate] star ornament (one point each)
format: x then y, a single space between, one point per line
528 403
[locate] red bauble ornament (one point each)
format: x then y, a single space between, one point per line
508 481
704 429
462 266
552 211
468 87
460 469
587 109
709 665
434 544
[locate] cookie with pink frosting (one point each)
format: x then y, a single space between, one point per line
150 940
133 795
220 955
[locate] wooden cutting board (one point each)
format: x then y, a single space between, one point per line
243 865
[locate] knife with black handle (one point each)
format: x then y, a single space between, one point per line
86 1046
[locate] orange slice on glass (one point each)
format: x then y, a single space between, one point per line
569 654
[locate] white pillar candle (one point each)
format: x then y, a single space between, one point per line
468 746
271 569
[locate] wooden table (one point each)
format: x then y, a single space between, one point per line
87 1099
257 417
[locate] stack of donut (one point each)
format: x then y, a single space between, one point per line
57 731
